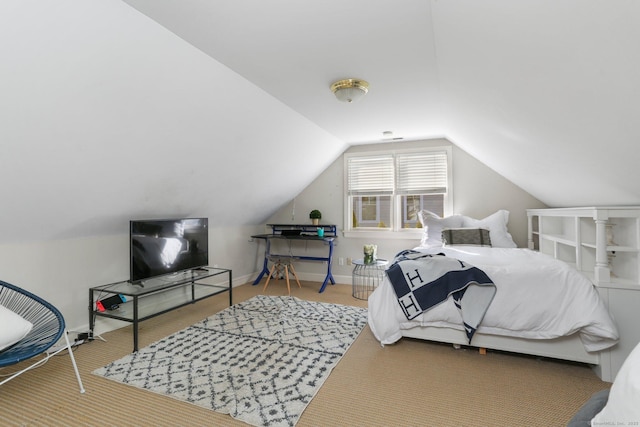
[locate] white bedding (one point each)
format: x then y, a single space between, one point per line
537 297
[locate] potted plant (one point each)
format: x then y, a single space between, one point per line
315 216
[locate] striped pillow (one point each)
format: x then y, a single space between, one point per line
466 236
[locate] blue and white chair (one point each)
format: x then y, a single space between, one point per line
48 328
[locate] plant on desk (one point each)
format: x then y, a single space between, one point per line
315 216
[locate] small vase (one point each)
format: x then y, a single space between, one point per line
370 254
315 221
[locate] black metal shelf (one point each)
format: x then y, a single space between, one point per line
141 306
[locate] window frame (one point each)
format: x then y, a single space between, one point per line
394 231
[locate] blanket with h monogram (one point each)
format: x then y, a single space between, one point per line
422 281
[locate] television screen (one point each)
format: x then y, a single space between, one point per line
165 246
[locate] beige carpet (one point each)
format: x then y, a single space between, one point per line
412 383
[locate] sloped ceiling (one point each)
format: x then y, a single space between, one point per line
294 50
113 110
543 92
106 116
546 93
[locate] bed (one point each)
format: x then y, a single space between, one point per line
541 306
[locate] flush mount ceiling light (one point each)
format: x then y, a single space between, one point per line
350 90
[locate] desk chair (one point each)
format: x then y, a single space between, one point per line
282 266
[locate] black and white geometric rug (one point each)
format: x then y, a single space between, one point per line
260 361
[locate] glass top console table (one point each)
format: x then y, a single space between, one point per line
153 297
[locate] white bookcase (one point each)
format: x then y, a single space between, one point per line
604 244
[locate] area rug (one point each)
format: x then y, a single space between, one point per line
260 361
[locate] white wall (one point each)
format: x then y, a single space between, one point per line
478 192
62 271
107 116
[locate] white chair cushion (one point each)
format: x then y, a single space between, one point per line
14 327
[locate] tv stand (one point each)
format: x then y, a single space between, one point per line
159 295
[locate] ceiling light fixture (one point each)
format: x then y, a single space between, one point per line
350 90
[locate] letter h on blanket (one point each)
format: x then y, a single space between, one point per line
423 281
408 301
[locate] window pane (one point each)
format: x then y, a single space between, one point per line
371 211
411 208
388 189
413 203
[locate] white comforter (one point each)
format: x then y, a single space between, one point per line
537 297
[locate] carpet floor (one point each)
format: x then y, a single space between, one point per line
411 383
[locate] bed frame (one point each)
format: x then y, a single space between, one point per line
568 348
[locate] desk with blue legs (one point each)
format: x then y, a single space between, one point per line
308 233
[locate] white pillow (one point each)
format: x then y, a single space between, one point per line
622 408
497 225
433 225
14 327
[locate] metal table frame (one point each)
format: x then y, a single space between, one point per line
308 233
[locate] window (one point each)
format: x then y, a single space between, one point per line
385 191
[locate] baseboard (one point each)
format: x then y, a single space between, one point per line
313 277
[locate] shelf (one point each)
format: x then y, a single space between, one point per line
614 282
579 236
330 230
153 297
565 240
157 304
612 248
160 283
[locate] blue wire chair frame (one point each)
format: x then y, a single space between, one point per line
48 328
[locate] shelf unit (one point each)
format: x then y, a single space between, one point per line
153 297
604 244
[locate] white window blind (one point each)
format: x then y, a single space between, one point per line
384 190
421 173
370 176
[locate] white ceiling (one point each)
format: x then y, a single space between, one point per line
545 92
113 110
294 50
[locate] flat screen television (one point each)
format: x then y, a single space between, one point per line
165 246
